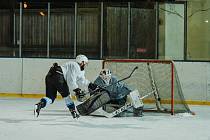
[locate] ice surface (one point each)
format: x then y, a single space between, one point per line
55 123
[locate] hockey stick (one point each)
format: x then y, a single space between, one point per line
148 94
123 108
126 106
123 78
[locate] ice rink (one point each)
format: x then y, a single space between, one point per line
17 122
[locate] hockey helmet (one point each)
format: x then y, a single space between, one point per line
81 58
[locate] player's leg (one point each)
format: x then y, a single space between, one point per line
63 89
132 100
138 112
137 103
51 93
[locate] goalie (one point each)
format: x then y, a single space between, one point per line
108 93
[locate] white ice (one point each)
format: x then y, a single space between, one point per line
17 122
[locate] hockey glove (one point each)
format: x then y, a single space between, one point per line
77 91
79 94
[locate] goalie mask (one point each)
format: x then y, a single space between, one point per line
105 75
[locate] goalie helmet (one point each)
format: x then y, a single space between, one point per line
105 75
81 58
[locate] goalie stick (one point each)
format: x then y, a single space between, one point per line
123 78
136 103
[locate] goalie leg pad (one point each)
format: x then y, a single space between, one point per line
93 103
135 99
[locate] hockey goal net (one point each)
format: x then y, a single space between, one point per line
157 78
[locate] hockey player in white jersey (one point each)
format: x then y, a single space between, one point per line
65 78
114 93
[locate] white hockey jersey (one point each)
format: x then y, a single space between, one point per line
73 75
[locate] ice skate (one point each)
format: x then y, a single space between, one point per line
138 112
74 113
37 109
